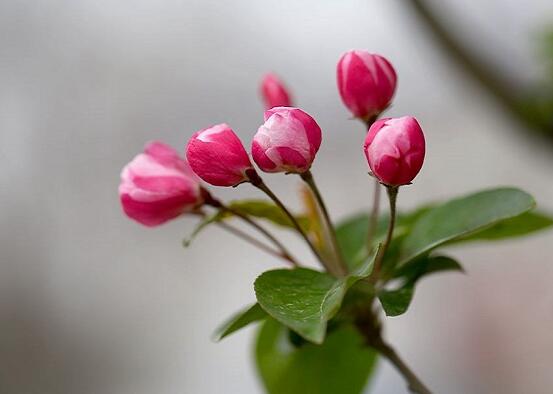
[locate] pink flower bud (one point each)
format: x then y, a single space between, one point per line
366 82
395 150
218 157
287 141
158 185
274 93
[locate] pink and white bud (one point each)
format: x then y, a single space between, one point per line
157 186
217 155
366 83
395 149
287 142
274 92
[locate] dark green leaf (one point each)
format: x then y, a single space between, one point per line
427 265
342 364
396 302
462 217
304 299
240 320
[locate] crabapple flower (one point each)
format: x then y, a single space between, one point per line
157 186
287 142
217 155
274 93
366 83
395 149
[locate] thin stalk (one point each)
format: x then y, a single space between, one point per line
341 265
256 180
392 198
255 242
210 200
414 384
369 326
373 218
283 251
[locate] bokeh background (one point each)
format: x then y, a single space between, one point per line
92 303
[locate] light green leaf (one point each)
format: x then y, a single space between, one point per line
518 226
240 320
462 217
342 364
396 302
303 299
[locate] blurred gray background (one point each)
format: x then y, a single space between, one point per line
92 303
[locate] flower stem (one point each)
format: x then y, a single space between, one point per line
392 197
284 253
369 326
256 180
331 231
373 218
255 242
413 382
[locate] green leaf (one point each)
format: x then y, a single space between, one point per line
341 365
427 265
462 217
240 320
518 226
396 302
303 299
266 210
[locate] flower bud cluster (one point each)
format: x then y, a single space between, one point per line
159 185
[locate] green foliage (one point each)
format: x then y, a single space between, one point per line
463 217
395 302
342 364
303 299
527 223
427 265
485 216
240 320
307 342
